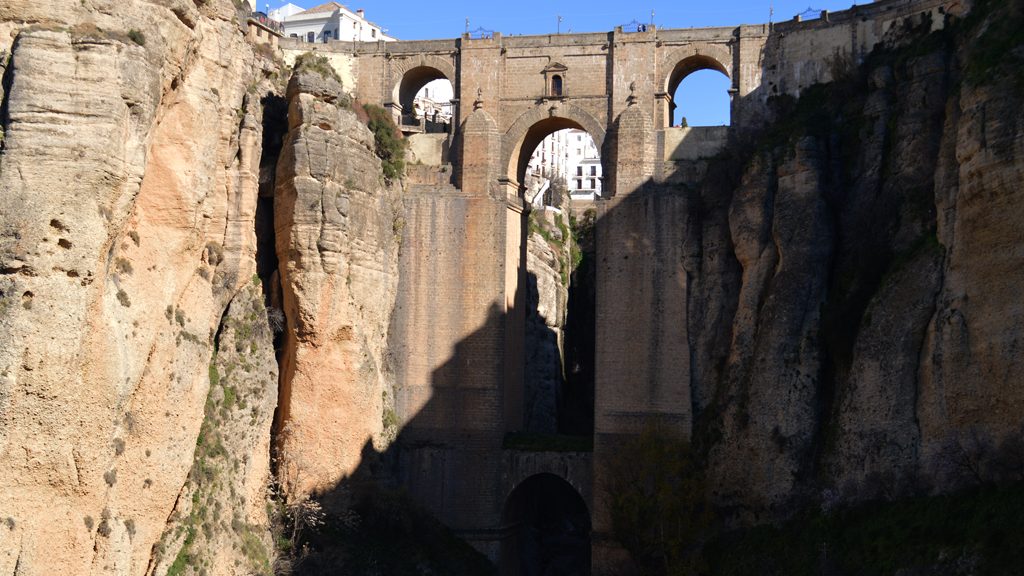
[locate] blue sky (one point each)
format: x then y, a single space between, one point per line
447 19
705 102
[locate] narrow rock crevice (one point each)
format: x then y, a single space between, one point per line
6 82
275 129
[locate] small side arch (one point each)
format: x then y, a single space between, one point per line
679 64
408 75
534 125
546 525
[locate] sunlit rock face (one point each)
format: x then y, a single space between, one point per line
128 185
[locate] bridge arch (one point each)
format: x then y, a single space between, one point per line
410 74
546 525
685 61
534 125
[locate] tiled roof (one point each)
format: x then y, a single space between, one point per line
328 7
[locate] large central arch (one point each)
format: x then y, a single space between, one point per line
534 125
547 528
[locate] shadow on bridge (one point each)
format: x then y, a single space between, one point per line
448 478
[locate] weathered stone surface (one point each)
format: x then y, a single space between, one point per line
546 299
220 518
338 231
125 175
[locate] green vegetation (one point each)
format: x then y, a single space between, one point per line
657 499
310 62
997 51
566 260
388 142
137 36
983 528
385 532
215 513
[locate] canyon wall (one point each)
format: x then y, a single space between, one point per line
128 176
338 231
188 245
872 246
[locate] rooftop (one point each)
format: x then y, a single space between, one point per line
326 7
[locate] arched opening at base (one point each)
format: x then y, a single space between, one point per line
547 529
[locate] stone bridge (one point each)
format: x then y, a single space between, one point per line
458 332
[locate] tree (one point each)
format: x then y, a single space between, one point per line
657 499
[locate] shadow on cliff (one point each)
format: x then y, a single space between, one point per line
446 462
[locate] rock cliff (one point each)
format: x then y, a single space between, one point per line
187 245
338 230
128 177
547 294
874 247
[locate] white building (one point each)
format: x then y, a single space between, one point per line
331 21
285 12
570 156
434 101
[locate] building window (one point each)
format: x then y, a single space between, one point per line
579 170
310 36
293 35
373 32
556 85
579 184
593 184
593 170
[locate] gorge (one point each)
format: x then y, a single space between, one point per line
253 321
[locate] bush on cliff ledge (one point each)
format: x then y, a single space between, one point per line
390 147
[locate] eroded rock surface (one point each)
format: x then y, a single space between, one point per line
128 185
338 231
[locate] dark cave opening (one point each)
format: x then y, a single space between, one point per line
547 526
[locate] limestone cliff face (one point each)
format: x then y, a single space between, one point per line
547 294
870 292
128 181
219 523
338 229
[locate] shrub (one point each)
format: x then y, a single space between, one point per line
310 62
388 141
657 499
122 297
110 477
214 253
123 266
137 36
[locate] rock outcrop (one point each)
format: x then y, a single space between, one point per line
547 294
220 521
128 185
871 263
338 230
